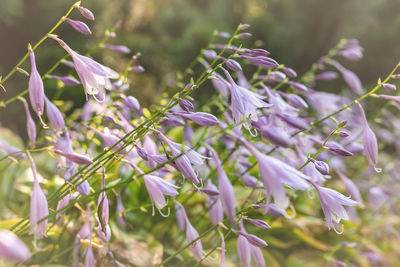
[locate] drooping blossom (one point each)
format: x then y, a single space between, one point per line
227 194
321 166
103 212
369 141
214 205
244 103
275 173
289 72
326 76
332 203
67 80
79 26
157 188
295 100
349 77
233 65
118 48
247 250
110 140
184 162
93 75
38 206
259 223
223 263
86 13
12 248
74 157
55 116
36 89
350 187
191 233
131 102
30 124
351 50
200 118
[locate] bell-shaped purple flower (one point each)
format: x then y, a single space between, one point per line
225 188
93 75
391 88
289 72
233 65
351 187
30 124
74 157
349 77
79 26
332 203
321 166
118 48
295 100
38 206
275 173
298 86
326 76
200 118
55 116
12 248
86 13
185 104
103 208
215 209
36 89
244 251
67 80
259 223
131 102
369 141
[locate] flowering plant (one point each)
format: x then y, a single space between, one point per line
268 160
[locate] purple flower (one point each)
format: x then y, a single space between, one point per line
79 26
131 102
38 206
261 61
321 166
36 90
295 122
259 223
185 104
295 100
332 203
349 77
187 134
338 149
257 256
225 35
389 97
254 240
233 65
244 250
74 157
120 212
351 188
200 118
110 140
66 79
86 13
11 149
369 141
55 116
118 48
30 124
352 50
103 208
215 209
277 136
327 75
93 75
275 173
244 35
12 248
243 102
184 162
227 194
289 72
223 263
389 87
298 86
89 257
191 234
138 68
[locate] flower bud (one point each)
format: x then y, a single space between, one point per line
118 48
86 13
12 248
321 166
185 104
233 65
79 26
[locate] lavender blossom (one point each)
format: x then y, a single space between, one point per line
351 188
215 209
36 90
138 68
275 173
332 203
244 250
321 166
326 76
391 88
86 13
74 157
259 223
225 188
261 61
93 75
369 141
79 26
289 72
185 104
30 124
298 86
200 118
103 211
131 102
55 116
349 77
12 248
65 79
118 48
295 100
223 263
38 206
233 65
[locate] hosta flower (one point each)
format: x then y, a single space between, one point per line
215 209
332 203
36 90
86 13
244 103
200 118
389 87
326 76
350 187
12 248
233 65
94 76
157 188
74 157
184 162
275 173
295 100
118 48
55 116
349 77
38 205
227 195
369 141
191 234
79 26
110 140
30 124
351 50
103 211
289 72
223 263
67 80
247 250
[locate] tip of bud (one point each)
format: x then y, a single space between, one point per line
53 36
77 4
29 47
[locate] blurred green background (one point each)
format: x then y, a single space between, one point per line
170 33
